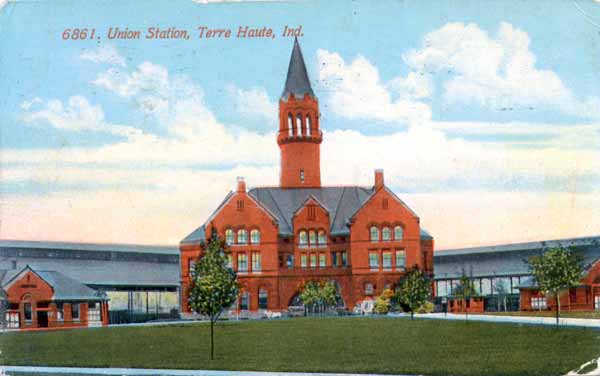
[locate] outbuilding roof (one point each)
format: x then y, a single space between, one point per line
63 287
96 247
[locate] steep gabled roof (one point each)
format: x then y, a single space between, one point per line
341 202
63 287
297 81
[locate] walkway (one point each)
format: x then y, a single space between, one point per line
586 323
9 370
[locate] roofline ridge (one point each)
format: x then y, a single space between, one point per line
49 242
521 243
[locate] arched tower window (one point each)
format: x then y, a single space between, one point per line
300 130
290 124
308 126
374 232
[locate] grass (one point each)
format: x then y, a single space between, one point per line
563 314
381 345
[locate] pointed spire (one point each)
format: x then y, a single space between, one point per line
297 81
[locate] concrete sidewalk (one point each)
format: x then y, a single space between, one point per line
9 370
551 321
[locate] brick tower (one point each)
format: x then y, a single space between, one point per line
299 136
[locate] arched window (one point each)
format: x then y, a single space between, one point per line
374 232
229 236
299 124
303 240
312 238
386 234
242 236
254 236
263 299
322 238
398 233
290 124
308 125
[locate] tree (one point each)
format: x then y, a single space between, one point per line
318 294
214 286
465 290
382 303
556 270
414 289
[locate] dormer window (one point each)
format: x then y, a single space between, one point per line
386 234
374 234
229 236
322 239
312 238
254 236
302 239
398 233
242 236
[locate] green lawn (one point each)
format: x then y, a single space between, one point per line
382 345
565 314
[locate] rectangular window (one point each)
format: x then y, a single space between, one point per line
263 299
515 285
313 260
387 260
344 258
334 259
12 320
75 311
303 260
94 312
256 266
229 262
369 289
597 302
59 312
290 261
301 176
322 260
27 311
486 286
400 259
442 288
374 260
191 267
242 262
245 301
538 303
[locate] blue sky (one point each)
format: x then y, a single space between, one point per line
472 110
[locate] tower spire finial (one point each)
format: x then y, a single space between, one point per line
297 81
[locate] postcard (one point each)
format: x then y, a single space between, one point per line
220 187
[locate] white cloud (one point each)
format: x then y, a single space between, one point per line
104 54
355 91
254 103
495 72
77 115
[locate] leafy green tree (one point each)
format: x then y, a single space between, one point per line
556 270
465 290
413 290
318 295
214 286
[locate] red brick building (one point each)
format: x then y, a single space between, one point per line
362 238
36 299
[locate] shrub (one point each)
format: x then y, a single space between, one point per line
427 307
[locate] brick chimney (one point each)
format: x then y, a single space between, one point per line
241 184
378 178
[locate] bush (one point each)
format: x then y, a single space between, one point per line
427 307
382 303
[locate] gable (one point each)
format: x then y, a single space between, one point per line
28 282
